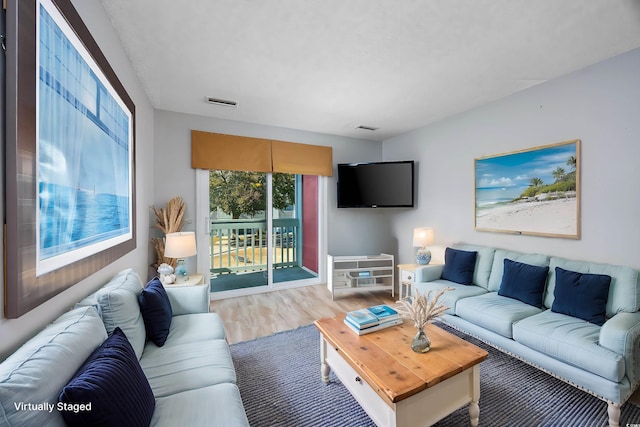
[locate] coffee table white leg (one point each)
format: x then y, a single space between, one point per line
474 407
324 367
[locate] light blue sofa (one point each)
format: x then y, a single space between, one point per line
192 375
601 360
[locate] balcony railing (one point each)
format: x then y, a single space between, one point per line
239 246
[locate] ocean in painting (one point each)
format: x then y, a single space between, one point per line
74 218
489 197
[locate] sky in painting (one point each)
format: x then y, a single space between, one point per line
517 169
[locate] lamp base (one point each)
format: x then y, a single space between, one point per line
423 256
181 270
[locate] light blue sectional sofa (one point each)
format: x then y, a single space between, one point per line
191 376
603 360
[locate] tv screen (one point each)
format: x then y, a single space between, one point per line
375 185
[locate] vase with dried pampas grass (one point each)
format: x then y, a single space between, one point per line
169 219
422 310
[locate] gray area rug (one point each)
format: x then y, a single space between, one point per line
279 380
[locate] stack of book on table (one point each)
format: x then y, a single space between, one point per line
372 319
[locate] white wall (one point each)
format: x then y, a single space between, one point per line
599 105
350 231
15 331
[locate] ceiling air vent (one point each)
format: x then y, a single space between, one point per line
369 128
221 102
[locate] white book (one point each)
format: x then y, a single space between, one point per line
377 327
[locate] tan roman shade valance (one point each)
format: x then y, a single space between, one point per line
303 159
230 152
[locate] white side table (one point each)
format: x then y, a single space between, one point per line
192 280
408 276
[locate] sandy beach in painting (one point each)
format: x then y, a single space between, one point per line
548 217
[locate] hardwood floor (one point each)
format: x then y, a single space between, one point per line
254 316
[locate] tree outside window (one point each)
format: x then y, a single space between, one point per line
237 192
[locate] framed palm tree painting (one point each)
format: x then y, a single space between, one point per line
534 191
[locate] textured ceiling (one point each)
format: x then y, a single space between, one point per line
330 65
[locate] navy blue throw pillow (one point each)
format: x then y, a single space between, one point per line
109 389
581 295
523 282
459 266
156 311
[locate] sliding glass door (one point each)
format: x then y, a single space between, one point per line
263 231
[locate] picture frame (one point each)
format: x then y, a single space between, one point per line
534 191
70 162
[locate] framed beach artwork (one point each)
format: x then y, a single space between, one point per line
70 155
534 191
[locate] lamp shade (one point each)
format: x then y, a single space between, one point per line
180 245
422 237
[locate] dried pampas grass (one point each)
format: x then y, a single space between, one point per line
169 219
422 310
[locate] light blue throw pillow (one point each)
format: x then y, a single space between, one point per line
118 302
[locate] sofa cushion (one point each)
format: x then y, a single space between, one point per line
484 261
156 311
452 297
118 301
92 299
188 299
177 368
497 269
581 295
570 340
624 290
217 405
113 383
459 266
494 312
524 282
37 371
195 327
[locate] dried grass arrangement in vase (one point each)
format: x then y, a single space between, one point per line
169 219
422 310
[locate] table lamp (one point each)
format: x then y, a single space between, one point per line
421 238
180 245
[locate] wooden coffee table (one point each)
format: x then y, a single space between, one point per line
394 385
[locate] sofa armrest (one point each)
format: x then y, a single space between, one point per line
621 334
428 273
188 299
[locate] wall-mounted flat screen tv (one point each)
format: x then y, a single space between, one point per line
376 185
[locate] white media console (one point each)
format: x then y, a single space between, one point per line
361 273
